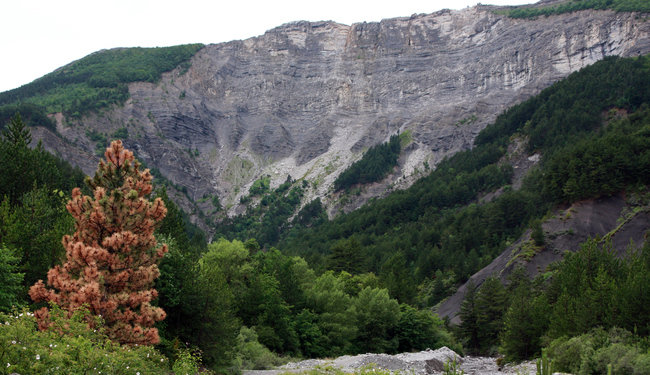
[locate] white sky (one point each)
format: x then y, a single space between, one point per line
38 36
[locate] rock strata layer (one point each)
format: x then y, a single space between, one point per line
307 98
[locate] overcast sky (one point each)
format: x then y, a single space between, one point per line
38 36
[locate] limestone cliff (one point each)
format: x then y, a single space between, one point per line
305 99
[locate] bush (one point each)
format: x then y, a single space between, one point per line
592 352
70 347
187 362
251 355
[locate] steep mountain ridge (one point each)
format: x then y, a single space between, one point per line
305 99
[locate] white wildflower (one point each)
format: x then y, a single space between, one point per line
38 356
13 342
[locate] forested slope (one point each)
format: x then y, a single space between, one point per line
98 80
436 228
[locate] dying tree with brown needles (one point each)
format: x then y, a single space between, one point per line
111 259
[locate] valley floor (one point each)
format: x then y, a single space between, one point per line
425 362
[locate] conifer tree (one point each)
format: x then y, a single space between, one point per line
17 132
111 259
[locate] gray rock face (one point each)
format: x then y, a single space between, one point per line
307 98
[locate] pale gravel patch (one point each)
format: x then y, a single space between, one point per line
420 363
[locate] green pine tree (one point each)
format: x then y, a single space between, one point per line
17 132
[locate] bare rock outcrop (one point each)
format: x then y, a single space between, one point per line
306 98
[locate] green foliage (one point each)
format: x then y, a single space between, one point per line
490 306
375 164
583 290
576 5
452 368
16 132
23 168
121 133
594 351
603 163
526 319
31 114
421 329
544 365
251 355
570 108
34 227
210 304
590 291
396 277
70 347
188 362
312 214
376 316
99 79
267 221
537 234
327 298
10 280
469 328
260 186
346 255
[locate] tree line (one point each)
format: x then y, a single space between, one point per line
576 5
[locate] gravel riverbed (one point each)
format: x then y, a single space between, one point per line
421 363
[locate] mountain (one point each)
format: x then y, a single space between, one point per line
307 98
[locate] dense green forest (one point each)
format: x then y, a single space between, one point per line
576 5
375 164
99 79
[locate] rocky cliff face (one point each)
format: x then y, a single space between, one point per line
307 98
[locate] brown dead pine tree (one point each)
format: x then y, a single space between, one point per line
111 259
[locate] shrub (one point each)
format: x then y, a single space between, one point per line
250 354
593 352
70 347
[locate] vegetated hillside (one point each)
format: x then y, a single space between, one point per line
306 100
424 240
546 8
99 80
